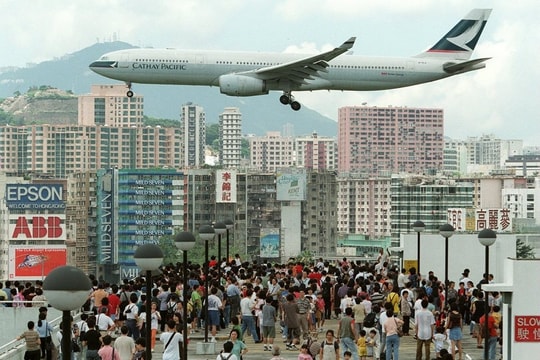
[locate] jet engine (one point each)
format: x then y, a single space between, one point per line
241 85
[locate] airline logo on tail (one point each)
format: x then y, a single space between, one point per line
462 39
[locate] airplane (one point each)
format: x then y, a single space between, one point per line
253 73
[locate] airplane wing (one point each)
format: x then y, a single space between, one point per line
299 71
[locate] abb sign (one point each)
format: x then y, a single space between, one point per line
38 227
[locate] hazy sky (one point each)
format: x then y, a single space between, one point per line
499 99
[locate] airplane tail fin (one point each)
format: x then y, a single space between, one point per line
459 43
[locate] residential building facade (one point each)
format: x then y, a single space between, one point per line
230 138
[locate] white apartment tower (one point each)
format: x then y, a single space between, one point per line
230 137
193 121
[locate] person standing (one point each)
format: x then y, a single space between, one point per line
247 306
124 345
268 323
391 326
304 306
347 334
92 340
425 326
171 340
290 309
163 300
107 352
329 347
214 307
455 324
45 331
406 311
239 348
131 313
492 335
226 353
31 337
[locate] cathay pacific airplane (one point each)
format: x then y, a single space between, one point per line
253 73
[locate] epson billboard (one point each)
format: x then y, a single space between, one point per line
34 196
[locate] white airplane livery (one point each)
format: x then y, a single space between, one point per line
254 73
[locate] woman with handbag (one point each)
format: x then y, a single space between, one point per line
392 327
45 330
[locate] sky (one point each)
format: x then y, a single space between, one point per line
499 99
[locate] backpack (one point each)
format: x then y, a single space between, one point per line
227 358
369 320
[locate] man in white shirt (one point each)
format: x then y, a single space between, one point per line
226 354
124 345
104 323
171 341
424 329
214 306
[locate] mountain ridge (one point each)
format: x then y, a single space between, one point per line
260 114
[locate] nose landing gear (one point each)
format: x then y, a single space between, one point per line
288 99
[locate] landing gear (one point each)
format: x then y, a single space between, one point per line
129 92
288 99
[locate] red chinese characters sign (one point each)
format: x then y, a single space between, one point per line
225 186
527 328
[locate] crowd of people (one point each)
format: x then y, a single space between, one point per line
375 305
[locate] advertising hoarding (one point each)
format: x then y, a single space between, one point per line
34 196
470 219
34 262
225 186
37 227
269 243
291 187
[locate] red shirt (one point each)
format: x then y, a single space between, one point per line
114 302
491 325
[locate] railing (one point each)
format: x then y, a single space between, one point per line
15 319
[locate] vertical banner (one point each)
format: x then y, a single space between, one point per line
269 243
225 186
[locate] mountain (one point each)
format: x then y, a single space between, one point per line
259 113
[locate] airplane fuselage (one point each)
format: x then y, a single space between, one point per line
204 68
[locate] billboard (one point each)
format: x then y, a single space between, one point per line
225 186
34 262
106 217
291 187
34 196
269 243
37 227
470 219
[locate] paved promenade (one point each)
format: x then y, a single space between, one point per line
407 349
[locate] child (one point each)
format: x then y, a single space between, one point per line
276 353
329 347
319 312
304 353
362 345
372 344
347 355
438 340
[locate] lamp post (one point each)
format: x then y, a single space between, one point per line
207 233
230 225
419 227
446 232
220 229
66 289
185 241
148 257
487 238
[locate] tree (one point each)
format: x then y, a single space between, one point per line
212 134
524 251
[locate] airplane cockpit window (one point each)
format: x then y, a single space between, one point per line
104 57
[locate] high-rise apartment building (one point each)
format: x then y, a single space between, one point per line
364 205
60 150
271 152
380 140
316 153
193 119
230 137
108 105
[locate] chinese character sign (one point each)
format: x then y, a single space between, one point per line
527 328
225 186
456 218
495 219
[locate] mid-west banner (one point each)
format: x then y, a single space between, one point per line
34 262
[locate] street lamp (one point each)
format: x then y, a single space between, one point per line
148 257
230 225
207 233
419 227
487 238
220 229
446 232
185 241
66 289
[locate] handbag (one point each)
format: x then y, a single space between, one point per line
398 328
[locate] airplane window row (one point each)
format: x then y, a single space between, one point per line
164 60
369 67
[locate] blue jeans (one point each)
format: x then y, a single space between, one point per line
133 329
227 315
248 322
392 346
348 344
492 347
